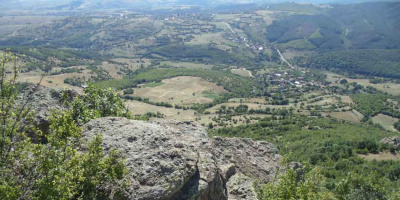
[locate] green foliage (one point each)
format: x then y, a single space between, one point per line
42 55
63 166
353 187
397 125
320 30
202 54
95 103
74 81
372 25
128 91
66 71
288 187
380 62
373 104
151 85
327 143
297 8
347 26
237 85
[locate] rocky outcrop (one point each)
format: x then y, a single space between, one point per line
241 187
259 160
42 100
177 160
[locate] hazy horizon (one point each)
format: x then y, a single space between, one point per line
146 4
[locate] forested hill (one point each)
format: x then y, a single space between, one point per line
370 25
385 63
374 25
358 38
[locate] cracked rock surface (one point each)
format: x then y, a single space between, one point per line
177 160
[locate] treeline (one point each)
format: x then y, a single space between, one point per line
372 25
378 103
348 26
204 54
330 144
236 85
322 31
54 161
244 109
46 58
385 63
147 100
44 53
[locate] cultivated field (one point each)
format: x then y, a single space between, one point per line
352 116
140 108
385 121
55 81
242 72
182 90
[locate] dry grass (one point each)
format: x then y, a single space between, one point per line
116 70
248 100
290 54
133 62
242 72
140 108
54 81
352 116
186 65
182 90
385 121
254 106
267 15
381 156
207 38
391 88
112 69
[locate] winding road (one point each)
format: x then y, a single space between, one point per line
283 59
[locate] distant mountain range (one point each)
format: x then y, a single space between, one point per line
138 4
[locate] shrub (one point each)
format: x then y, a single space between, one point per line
55 169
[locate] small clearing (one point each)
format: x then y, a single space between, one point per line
385 121
55 81
351 116
381 156
183 90
242 72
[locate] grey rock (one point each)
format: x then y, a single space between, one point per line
41 101
177 160
241 187
259 160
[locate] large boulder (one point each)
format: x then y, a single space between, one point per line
177 160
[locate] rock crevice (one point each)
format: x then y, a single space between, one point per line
177 160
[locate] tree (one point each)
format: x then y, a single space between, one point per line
397 125
55 169
288 187
128 91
